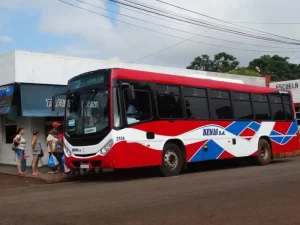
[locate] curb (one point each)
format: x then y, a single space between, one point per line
45 180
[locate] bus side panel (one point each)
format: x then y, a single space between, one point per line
284 138
129 155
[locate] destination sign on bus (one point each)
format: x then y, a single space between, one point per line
85 81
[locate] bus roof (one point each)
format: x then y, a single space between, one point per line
189 81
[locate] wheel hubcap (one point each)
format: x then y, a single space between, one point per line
264 152
171 160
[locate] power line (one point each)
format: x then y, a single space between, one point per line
165 19
164 49
251 50
160 10
203 24
271 23
188 10
187 32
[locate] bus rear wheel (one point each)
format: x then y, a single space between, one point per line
264 152
172 160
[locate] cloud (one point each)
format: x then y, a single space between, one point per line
95 35
5 39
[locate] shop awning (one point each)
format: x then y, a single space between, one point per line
6 96
36 100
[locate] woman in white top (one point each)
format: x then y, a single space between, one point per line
20 140
51 143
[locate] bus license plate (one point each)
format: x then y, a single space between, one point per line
84 166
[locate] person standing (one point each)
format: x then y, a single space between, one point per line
36 150
55 128
20 150
51 144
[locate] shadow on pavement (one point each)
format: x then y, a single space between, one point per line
145 173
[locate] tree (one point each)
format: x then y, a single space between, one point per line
201 63
222 63
244 71
276 66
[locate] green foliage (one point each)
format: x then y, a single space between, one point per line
244 71
278 67
222 63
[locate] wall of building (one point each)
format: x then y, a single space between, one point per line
7 68
292 85
44 68
7 156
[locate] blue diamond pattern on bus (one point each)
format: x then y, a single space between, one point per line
237 127
292 131
213 151
254 126
278 137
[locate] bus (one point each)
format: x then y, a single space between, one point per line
122 118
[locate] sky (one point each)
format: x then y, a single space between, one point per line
54 27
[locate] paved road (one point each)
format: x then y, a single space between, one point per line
243 196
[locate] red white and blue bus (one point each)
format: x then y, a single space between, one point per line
122 118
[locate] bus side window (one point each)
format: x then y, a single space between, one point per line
242 106
196 105
261 107
138 109
277 108
220 105
288 107
169 102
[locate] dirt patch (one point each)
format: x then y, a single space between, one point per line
12 181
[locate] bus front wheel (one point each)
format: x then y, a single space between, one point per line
264 152
172 160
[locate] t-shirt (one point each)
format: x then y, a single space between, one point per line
61 136
22 144
54 140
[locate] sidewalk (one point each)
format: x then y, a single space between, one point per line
45 177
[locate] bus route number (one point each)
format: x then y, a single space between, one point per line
121 138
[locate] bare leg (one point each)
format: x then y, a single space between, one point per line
34 165
19 165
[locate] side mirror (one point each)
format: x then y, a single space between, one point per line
129 90
53 103
131 94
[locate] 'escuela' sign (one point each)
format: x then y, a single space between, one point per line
294 85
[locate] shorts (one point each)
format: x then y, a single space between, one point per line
36 154
20 153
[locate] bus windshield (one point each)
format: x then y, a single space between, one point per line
87 112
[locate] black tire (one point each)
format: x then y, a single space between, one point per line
172 160
264 152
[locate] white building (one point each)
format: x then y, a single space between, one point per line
28 80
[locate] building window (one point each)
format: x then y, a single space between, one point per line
196 104
138 109
261 107
277 108
11 132
169 103
220 105
242 106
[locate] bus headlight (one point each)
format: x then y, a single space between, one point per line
107 147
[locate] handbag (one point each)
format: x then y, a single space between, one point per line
15 145
41 154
